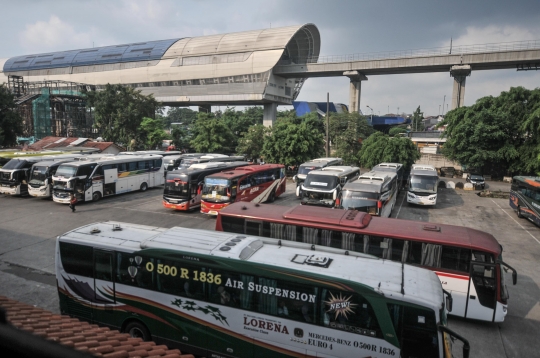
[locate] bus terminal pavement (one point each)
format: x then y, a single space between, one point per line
29 227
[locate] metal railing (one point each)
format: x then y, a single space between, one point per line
436 51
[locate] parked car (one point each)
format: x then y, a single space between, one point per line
477 180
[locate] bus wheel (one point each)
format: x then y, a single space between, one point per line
96 196
519 214
144 186
272 197
138 330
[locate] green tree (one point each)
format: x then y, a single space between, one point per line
180 137
395 131
119 112
417 123
293 140
379 148
186 116
499 135
252 142
152 132
10 121
211 134
346 131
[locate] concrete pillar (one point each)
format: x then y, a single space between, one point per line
459 73
355 89
205 108
269 114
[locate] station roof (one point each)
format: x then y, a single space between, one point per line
140 51
299 41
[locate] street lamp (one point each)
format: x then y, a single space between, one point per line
371 114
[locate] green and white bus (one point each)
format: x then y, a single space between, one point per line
227 295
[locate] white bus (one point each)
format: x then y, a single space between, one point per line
92 180
393 168
314 164
40 182
322 187
14 176
373 192
217 294
422 185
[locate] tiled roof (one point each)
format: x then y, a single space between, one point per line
101 145
80 335
52 142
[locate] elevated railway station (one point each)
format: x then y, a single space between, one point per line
261 67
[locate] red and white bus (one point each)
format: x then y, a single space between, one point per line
468 262
255 183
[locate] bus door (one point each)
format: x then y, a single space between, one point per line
104 289
482 293
110 178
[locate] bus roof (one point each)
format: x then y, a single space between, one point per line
355 221
371 181
383 166
382 276
335 170
114 159
320 161
532 181
246 170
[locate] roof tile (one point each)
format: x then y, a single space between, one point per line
80 335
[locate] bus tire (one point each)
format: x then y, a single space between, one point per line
144 186
137 330
272 197
96 196
519 214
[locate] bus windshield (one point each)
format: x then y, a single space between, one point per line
216 189
186 163
360 200
38 175
306 169
423 183
14 164
177 186
66 171
322 182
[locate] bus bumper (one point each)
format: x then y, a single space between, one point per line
62 198
177 206
422 200
10 190
211 208
39 192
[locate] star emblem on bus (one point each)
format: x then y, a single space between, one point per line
340 305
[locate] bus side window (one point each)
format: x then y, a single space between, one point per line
77 259
361 319
122 167
132 166
232 224
254 228
131 273
414 254
455 258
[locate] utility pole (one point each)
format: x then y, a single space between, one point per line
444 100
327 124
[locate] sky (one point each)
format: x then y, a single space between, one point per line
346 27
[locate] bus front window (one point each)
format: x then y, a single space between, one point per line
423 183
216 190
177 187
38 175
361 201
66 171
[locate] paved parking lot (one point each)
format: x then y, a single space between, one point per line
28 228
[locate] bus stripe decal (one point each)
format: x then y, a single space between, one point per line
445 274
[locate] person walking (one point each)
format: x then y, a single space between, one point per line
72 202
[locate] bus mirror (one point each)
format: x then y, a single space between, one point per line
334 195
298 191
514 272
449 300
294 178
454 335
379 204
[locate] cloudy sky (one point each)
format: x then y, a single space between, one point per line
346 27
